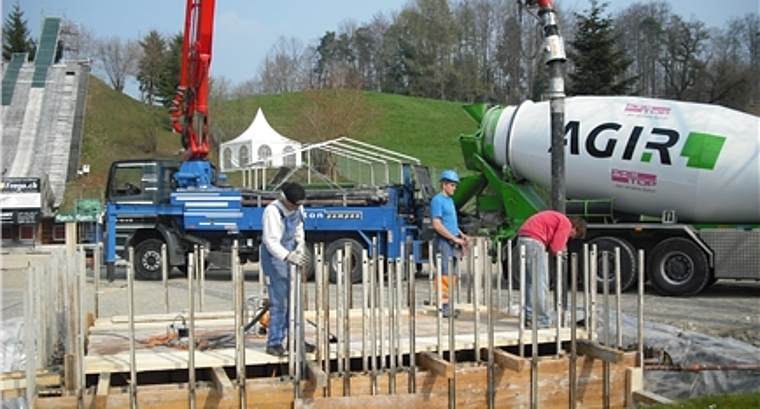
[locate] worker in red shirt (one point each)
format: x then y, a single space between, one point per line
544 231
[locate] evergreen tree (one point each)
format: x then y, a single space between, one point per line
16 38
599 66
152 66
170 74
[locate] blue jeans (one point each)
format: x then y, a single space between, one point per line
448 254
277 271
536 262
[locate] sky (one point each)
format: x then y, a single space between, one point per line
245 30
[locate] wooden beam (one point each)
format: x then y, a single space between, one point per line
221 381
17 379
436 365
595 350
650 398
101 395
316 375
634 381
506 360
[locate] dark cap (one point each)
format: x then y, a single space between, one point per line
294 193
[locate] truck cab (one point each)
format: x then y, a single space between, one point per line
141 181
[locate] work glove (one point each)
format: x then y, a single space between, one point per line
297 257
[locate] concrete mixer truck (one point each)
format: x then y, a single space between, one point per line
679 180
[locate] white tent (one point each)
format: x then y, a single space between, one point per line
260 145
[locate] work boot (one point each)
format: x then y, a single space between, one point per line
276 350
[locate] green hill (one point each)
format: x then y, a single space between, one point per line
118 127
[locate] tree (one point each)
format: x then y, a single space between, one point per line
170 71
117 59
151 67
682 59
599 67
16 38
285 67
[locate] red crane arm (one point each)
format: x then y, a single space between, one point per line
192 92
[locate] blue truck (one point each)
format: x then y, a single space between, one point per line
146 209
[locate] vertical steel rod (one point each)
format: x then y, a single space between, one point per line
339 311
438 304
534 330
594 279
201 269
521 312
348 267
239 288
640 309
191 332
558 294
476 275
96 260
412 324
618 307
606 303
381 321
573 329
131 313
165 277
398 305
490 324
393 331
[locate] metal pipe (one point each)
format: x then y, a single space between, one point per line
453 290
534 331
476 275
398 306
521 323
500 275
573 329
618 307
365 312
339 311
606 301
558 295
586 287
490 326
131 314
594 279
348 268
373 318
292 358
431 271
381 323
412 325
96 260
191 332
165 277
393 331
81 275
239 291
31 333
438 302
640 308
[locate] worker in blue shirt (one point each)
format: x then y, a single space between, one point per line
449 240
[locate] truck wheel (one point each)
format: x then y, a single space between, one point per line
331 256
148 261
678 267
627 263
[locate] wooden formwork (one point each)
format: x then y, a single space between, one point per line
605 377
465 384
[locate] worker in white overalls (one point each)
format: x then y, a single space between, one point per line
283 245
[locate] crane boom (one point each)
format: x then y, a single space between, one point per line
192 91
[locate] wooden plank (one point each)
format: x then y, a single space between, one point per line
649 398
100 401
634 381
17 379
595 350
316 375
221 381
436 365
507 360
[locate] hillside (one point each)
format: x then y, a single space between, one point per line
118 127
